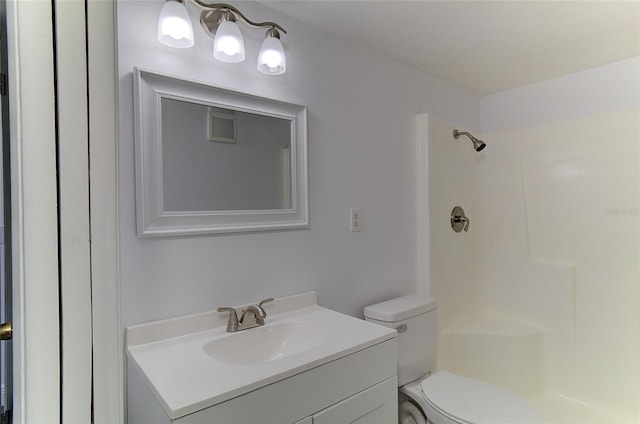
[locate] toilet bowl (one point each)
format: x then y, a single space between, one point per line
440 397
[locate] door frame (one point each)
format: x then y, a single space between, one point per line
72 125
64 212
36 377
108 340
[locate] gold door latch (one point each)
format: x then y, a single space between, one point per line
6 331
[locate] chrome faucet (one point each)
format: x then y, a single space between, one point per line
256 311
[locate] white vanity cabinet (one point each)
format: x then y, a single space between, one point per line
359 388
349 378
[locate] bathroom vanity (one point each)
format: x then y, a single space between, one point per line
306 365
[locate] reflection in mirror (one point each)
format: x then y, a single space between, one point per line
221 159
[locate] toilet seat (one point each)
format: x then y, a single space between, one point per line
447 398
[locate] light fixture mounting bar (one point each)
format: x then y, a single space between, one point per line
211 16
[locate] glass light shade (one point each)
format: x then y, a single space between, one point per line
174 25
228 44
271 59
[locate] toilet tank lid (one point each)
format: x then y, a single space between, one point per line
400 308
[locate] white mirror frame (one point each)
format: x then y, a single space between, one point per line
152 220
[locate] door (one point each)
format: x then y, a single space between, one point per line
6 330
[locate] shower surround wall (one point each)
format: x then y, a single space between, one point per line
542 295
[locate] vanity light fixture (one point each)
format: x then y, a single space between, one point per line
220 21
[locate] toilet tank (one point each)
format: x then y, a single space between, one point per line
414 317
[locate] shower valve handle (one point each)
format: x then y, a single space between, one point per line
466 222
459 221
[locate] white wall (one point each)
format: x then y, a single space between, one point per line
361 154
554 236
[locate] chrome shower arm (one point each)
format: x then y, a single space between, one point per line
457 134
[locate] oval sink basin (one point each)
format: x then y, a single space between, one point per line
267 343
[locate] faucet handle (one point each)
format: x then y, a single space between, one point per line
262 302
466 222
232 324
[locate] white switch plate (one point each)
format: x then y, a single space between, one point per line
355 219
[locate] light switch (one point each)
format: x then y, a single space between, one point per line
355 219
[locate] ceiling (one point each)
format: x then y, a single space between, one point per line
483 46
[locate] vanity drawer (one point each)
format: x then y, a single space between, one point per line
375 405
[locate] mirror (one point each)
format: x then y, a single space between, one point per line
211 160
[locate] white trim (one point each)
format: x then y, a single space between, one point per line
108 350
72 110
34 213
422 204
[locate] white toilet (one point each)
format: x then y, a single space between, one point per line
441 397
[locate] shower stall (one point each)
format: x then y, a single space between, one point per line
542 295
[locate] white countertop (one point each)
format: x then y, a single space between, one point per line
171 357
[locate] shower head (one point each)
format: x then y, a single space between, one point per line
478 145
